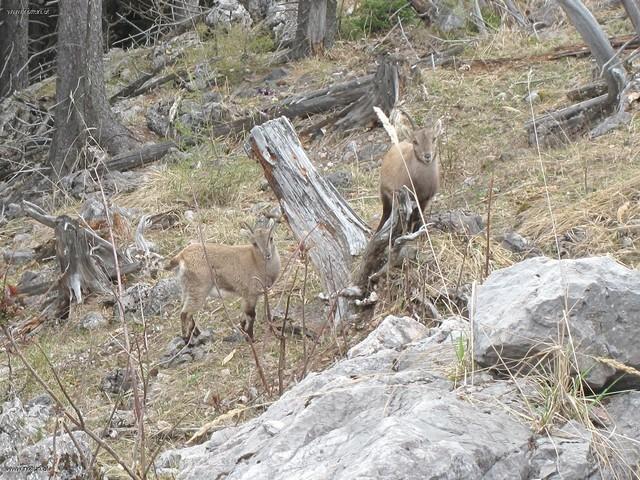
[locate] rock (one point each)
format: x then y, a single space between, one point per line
81 183
275 75
519 311
257 8
518 244
18 257
145 299
225 13
70 456
624 429
457 221
116 381
21 240
449 21
93 320
378 414
177 353
532 97
157 116
20 426
191 115
341 179
282 20
392 333
167 52
164 293
372 151
564 454
123 419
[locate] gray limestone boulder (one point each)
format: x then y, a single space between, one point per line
385 413
521 309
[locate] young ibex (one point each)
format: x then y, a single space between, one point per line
412 164
225 270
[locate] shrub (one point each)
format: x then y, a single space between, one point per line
373 16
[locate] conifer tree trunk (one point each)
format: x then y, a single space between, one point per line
317 25
14 37
82 113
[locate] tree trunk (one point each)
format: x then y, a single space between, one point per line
633 10
82 112
606 112
593 35
317 25
14 38
318 216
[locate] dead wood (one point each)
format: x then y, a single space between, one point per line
585 92
600 114
374 260
558 127
137 158
86 260
317 101
388 87
319 217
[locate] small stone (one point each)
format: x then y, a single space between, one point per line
93 320
532 97
626 242
341 179
123 419
22 239
18 257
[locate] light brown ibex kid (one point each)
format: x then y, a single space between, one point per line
413 164
226 270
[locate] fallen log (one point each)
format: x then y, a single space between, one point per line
137 158
606 111
319 217
311 103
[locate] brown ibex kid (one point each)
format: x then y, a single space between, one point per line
411 164
225 270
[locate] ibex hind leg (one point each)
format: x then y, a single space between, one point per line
190 305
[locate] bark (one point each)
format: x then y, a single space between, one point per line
14 39
633 10
317 25
318 216
82 111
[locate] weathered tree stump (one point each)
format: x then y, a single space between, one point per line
388 86
318 215
87 262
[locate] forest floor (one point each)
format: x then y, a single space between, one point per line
577 200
